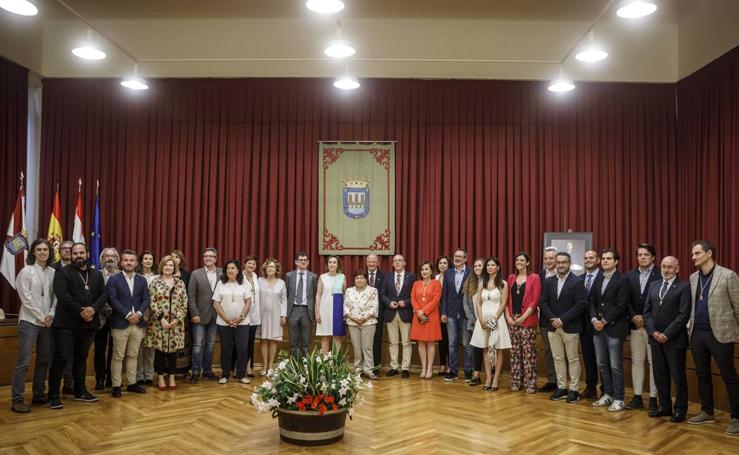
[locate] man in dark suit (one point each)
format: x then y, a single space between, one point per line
666 315
375 278
398 314
563 301
452 313
591 263
549 270
640 279
65 258
128 293
80 293
301 286
608 316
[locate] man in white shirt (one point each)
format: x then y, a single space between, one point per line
35 290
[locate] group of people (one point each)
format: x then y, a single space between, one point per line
139 315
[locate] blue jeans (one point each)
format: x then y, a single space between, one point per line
457 328
609 353
202 359
30 335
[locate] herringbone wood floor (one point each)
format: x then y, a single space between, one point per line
399 417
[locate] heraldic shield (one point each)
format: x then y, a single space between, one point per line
356 201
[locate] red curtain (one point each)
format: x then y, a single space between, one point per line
13 127
488 165
708 153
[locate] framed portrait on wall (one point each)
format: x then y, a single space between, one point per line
574 243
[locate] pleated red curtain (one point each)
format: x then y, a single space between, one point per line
708 153
13 131
488 165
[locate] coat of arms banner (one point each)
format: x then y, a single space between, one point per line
356 198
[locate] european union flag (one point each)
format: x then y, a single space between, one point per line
96 240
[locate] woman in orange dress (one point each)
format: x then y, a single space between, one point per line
426 326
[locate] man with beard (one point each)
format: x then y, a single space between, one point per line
80 293
65 258
591 260
109 259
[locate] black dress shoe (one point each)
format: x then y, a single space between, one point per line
588 393
405 374
635 403
135 388
548 387
653 403
660 413
573 396
392 372
149 382
116 392
678 417
41 399
100 384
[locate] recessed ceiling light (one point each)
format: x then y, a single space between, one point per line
636 9
591 54
339 49
88 52
135 83
561 85
22 7
325 6
346 82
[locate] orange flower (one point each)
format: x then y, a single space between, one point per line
322 410
330 399
315 403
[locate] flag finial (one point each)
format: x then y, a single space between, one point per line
22 177
79 185
97 188
57 185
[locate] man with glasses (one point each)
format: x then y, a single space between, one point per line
301 302
200 300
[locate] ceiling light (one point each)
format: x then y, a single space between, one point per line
22 7
135 82
346 82
88 52
561 85
325 6
591 54
636 9
339 49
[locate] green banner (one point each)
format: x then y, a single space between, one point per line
356 198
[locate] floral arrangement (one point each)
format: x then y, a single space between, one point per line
317 382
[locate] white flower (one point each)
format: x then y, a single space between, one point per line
342 402
368 384
351 412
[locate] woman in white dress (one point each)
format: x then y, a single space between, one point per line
272 311
255 320
330 305
491 330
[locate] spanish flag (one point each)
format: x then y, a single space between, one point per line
55 236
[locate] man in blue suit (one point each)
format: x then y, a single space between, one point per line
128 294
452 313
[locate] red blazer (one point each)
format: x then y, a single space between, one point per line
530 298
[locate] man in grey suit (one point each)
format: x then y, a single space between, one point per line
713 328
301 304
200 300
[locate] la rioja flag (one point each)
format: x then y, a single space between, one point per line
15 245
78 230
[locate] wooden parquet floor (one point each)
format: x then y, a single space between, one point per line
399 417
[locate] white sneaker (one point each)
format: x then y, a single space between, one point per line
223 380
617 405
605 400
245 380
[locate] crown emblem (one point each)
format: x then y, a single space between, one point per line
356 182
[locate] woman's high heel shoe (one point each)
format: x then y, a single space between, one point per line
487 387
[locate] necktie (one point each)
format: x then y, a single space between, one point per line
588 281
372 279
299 297
398 283
663 291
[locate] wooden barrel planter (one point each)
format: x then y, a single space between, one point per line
308 428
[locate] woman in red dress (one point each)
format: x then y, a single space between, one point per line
426 327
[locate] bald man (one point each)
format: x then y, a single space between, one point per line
666 315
